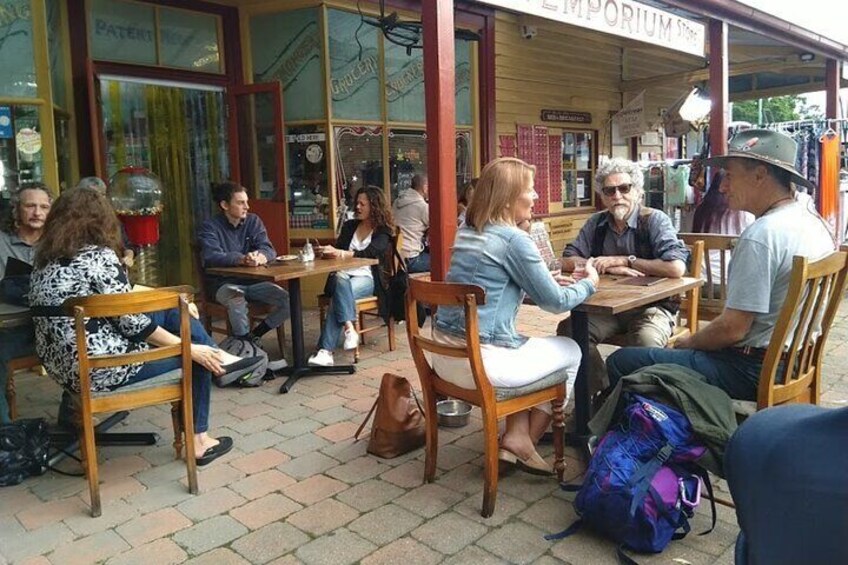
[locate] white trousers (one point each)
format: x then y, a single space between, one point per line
513 367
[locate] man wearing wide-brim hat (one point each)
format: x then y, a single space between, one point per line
729 351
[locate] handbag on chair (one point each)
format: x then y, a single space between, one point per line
398 419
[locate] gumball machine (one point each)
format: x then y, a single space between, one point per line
136 195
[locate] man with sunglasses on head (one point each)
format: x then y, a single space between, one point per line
626 239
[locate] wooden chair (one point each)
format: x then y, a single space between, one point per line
714 291
495 402
815 292
368 306
12 367
211 310
173 387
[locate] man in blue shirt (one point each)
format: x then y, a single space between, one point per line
237 238
626 239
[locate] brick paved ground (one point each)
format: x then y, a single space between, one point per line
298 489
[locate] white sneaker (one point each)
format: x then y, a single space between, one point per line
278 364
323 358
351 339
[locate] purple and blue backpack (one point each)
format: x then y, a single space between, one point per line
643 482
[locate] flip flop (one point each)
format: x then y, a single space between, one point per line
225 444
241 364
234 371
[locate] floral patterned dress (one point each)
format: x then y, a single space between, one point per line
94 270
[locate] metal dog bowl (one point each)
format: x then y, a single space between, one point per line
453 413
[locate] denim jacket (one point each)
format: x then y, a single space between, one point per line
505 262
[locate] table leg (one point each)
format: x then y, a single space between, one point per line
580 334
299 366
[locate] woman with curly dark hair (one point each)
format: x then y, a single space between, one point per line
369 235
79 256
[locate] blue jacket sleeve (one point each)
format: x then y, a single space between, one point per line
212 251
259 239
526 267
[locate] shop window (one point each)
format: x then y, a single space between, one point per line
63 149
21 157
404 83
306 164
354 68
189 40
578 168
407 158
464 158
463 74
123 31
56 51
359 161
16 55
287 47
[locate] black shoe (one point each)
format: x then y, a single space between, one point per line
225 444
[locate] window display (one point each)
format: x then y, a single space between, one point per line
359 162
21 157
306 164
578 168
407 158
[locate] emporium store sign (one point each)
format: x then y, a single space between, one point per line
624 18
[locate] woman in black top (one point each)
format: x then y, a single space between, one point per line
368 236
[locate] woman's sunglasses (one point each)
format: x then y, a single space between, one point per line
622 188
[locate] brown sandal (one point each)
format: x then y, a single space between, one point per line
534 464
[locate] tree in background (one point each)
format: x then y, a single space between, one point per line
777 109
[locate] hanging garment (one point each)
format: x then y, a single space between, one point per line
829 178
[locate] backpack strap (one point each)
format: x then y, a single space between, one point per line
576 525
365 421
641 478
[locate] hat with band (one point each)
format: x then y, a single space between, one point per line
764 145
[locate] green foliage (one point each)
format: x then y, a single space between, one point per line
777 109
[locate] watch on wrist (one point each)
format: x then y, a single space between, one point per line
631 260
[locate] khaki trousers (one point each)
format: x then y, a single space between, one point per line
651 326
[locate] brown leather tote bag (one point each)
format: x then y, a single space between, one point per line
398 421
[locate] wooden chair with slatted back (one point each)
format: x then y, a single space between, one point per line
211 310
815 293
495 402
173 387
368 306
714 291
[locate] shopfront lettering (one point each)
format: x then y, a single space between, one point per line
13 12
625 18
288 65
109 30
360 73
399 84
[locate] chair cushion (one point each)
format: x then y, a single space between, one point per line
505 393
169 378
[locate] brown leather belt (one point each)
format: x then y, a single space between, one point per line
748 351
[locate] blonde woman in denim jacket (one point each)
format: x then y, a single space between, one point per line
492 252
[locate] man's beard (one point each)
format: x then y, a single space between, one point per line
620 212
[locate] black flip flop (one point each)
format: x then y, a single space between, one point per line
241 364
225 444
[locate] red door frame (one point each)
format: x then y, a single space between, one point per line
274 213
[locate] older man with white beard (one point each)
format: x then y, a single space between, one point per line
626 239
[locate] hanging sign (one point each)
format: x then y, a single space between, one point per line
624 18
566 116
631 119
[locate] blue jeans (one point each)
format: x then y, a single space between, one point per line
734 373
14 342
237 296
419 264
343 307
201 378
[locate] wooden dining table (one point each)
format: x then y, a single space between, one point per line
614 296
291 272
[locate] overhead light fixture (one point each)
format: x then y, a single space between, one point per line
806 57
696 106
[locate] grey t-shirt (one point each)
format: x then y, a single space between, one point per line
12 246
761 266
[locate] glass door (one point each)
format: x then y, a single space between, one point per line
179 133
256 131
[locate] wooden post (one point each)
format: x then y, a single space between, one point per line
440 101
831 81
719 90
